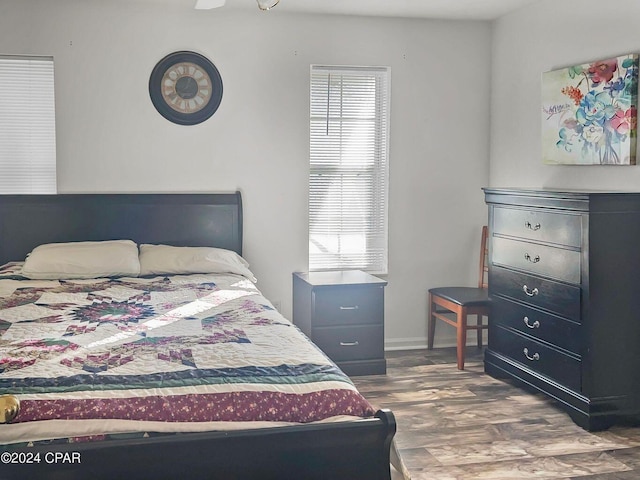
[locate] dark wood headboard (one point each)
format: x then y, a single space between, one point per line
199 220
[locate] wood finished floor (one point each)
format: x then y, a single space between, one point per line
455 425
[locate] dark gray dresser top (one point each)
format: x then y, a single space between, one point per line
590 200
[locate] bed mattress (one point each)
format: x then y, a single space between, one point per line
89 359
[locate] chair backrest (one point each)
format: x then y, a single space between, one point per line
483 274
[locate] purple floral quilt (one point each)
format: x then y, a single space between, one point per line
176 353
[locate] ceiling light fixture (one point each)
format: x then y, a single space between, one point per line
267 4
209 4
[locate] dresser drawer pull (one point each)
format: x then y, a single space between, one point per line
532 227
529 292
534 357
353 307
535 324
349 344
536 259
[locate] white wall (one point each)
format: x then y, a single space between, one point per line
546 36
110 138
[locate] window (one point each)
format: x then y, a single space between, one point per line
27 125
348 178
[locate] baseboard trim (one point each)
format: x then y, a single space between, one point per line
417 343
392 344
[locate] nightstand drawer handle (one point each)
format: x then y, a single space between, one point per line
535 324
535 356
354 307
529 292
349 344
536 259
532 227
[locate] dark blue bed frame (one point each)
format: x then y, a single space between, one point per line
335 451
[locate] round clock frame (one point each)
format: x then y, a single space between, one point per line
185 87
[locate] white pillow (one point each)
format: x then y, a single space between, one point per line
165 259
57 261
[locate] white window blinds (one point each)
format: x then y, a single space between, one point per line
27 125
349 168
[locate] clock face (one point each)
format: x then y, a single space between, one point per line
186 88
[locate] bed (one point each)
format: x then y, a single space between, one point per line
81 356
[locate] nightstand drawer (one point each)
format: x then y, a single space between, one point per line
538 357
537 324
558 263
558 298
359 342
563 229
348 305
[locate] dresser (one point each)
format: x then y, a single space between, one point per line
342 312
564 281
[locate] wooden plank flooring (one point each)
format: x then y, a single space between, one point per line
455 425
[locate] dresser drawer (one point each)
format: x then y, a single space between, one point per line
348 305
560 228
537 324
553 262
538 357
360 342
558 298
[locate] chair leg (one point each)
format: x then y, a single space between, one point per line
461 333
431 324
479 330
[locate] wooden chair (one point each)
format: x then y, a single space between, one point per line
461 302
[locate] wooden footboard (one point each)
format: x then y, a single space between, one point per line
337 451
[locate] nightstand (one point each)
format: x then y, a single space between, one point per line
342 312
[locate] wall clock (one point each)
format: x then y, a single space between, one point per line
185 87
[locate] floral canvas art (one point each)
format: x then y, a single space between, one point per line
589 114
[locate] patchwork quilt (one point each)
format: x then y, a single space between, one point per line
87 358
